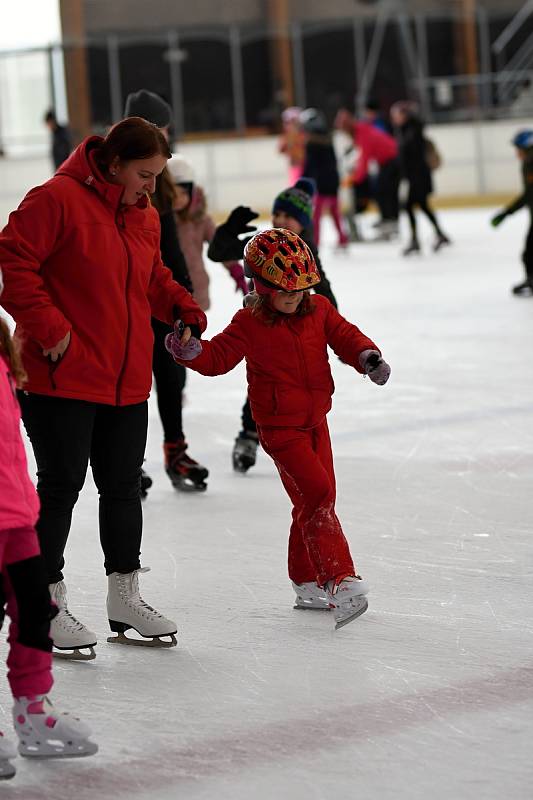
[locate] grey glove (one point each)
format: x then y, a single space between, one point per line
374 366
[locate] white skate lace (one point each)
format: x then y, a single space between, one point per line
128 585
64 618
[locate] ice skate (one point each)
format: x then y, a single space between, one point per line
126 609
146 483
388 230
7 752
44 732
72 640
412 247
524 289
347 599
185 473
244 453
310 596
440 241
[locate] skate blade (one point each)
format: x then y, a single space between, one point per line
187 486
311 608
76 653
89 749
154 641
359 606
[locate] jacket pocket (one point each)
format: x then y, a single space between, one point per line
54 366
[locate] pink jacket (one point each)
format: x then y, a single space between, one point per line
374 145
19 504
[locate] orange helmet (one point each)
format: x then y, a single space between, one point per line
280 259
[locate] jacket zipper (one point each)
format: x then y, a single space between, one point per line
121 225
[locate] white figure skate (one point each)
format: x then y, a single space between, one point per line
126 609
311 596
45 733
72 640
7 751
347 599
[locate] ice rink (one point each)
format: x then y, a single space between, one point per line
427 695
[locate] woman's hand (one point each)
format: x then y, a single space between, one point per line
58 350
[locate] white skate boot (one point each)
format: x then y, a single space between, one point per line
7 751
71 638
126 609
347 599
45 733
310 595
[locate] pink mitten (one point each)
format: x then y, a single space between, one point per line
237 273
179 350
374 366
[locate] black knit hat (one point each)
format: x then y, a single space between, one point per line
297 201
150 107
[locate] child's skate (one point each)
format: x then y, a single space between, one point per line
45 733
126 609
72 640
185 473
347 599
412 247
310 596
244 453
7 751
440 242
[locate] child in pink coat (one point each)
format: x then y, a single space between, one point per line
283 334
195 227
42 731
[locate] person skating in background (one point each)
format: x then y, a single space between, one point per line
373 115
415 170
283 334
523 142
42 731
61 139
292 142
379 147
185 473
320 164
292 210
87 349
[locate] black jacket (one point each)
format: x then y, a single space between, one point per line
413 162
321 165
61 145
526 198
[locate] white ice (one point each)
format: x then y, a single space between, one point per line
430 693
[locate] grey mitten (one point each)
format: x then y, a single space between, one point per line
374 366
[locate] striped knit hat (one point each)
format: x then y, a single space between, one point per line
297 201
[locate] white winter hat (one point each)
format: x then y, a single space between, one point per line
181 169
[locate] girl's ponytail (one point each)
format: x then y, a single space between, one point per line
10 347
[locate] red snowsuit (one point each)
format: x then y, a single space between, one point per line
290 388
374 145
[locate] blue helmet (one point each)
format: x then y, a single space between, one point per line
523 139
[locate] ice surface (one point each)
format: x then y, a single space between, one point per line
430 693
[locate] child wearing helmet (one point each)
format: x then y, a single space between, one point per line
283 334
293 210
523 142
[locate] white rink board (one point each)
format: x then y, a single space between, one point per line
429 694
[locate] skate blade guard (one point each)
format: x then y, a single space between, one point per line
75 653
349 610
163 640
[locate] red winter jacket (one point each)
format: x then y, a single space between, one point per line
374 145
289 377
75 259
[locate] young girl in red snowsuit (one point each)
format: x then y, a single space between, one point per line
283 334
24 591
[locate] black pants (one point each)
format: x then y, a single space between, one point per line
423 203
248 422
169 383
65 435
387 186
527 255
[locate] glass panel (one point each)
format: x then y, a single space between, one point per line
98 67
329 64
207 88
25 96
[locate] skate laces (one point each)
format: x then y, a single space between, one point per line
129 588
334 585
63 617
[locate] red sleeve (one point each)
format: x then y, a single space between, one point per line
345 339
170 301
29 237
224 351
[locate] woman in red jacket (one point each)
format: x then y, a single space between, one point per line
283 334
83 275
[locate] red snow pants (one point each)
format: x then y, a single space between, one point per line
318 550
29 669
